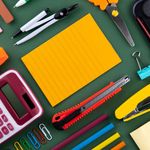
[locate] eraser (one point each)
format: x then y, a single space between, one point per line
1 30
3 56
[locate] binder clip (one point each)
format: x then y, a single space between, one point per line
142 72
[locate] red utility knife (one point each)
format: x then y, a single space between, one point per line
67 118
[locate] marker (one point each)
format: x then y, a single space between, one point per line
21 3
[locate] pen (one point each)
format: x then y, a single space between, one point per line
21 3
32 21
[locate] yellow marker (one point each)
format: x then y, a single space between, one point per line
107 142
115 13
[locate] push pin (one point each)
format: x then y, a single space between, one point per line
142 72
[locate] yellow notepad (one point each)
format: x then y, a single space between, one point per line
141 136
71 59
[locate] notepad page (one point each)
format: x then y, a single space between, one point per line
71 59
141 136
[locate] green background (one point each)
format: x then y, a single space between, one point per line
128 66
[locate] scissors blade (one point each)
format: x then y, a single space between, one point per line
120 23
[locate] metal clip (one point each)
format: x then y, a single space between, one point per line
18 146
39 135
26 145
45 131
145 72
33 140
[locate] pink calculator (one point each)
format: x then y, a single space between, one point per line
18 106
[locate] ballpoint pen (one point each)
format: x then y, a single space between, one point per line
45 23
65 119
111 8
142 106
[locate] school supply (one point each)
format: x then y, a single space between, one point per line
25 27
46 22
39 135
145 72
18 146
135 106
1 30
21 3
80 132
119 146
95 136
45 131
25 144
33 140
18 105
142 14
3 56
142 106
141 136
63 120
5 13
86 53
110 6
107 142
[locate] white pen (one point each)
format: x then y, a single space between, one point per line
31 22
36 32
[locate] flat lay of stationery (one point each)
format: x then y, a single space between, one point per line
55 56
69 81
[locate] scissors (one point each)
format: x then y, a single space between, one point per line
110 6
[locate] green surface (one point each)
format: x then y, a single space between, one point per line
128 66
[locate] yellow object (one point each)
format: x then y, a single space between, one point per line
115 13
18 146
3 56
107 142
131 104
71 59
103 3
141 136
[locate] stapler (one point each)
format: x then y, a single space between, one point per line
135 106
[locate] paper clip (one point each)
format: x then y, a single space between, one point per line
145 72
26 145
18 146
33 140
39 135
45 131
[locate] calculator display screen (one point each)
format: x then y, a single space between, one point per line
13 100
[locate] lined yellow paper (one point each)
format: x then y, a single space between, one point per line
71 59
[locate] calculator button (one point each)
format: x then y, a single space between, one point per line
1 122
5 130
1 111
10 127
5 119
1 135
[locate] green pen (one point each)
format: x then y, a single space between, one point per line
21 3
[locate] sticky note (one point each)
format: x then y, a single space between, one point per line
71 59
141 136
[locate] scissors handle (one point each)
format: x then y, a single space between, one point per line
103 3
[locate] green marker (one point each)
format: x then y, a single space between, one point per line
21 3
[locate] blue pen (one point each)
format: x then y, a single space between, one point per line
33 140
142 72
94 137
